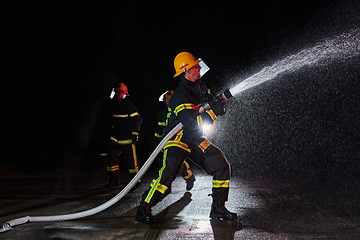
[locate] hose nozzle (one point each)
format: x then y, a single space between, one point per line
222 97
227 94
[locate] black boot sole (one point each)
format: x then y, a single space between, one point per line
144 220
224 217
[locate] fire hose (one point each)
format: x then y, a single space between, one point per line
8 225
18 221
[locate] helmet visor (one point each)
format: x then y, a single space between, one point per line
204 67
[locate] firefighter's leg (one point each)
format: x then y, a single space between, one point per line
172 161
214 162
130 156
188 175
217 165
113 166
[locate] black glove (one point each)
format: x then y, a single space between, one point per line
219 108
207 98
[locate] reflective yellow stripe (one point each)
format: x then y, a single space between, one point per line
156 183
211 114
161 188
188 170
163 124
221 183
126 115
181 145
183 106
204 145
179 136
121 142
158 135
168 115
134 114
113 168
133 148
186 106
121 115
199 120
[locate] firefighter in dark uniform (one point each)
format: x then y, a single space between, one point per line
189 142
125 129
185 171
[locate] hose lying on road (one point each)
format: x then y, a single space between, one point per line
8 225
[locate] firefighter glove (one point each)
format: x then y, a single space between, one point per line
219 108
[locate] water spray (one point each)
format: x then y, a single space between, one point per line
341 47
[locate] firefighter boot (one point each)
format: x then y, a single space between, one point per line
219 211
144 213
190 183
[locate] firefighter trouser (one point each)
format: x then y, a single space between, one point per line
185 171
212 161
129 154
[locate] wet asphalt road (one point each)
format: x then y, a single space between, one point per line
267 210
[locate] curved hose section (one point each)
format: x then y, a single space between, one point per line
8 225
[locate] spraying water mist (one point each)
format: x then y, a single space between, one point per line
342 47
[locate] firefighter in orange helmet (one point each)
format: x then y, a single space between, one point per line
125 127
190 143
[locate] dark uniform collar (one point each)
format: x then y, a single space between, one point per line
199 85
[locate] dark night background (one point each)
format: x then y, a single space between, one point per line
60 61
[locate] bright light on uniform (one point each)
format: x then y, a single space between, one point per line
207 129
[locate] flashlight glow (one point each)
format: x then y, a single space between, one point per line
207 129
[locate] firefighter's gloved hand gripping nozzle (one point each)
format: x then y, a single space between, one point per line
210 101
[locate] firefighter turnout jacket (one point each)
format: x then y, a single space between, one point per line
126 122
184 107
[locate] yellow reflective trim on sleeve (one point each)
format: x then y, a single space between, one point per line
134 114
120 142
221 183
184 106
162 124
158 135
199 121
121 115
211 114
126 115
